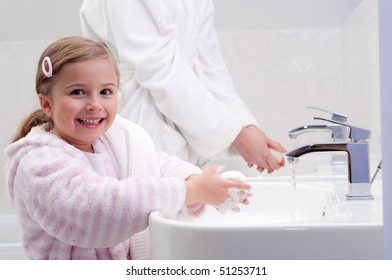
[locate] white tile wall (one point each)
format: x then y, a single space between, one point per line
281 72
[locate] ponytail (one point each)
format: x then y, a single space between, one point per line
35 118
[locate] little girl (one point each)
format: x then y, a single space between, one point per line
82 180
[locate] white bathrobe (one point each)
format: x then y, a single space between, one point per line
174 81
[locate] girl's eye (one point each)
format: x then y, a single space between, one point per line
105 92
77 92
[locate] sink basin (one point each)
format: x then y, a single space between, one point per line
314 221
274 202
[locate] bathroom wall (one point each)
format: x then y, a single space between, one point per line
25 20
281 62
279 72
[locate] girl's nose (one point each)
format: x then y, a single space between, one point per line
93 104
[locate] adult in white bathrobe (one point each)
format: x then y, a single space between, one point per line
174 81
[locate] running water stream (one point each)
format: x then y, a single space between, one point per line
292 164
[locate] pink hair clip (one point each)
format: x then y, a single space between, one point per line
47 72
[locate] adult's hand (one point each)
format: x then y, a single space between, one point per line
254 147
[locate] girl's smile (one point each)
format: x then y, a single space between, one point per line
88 122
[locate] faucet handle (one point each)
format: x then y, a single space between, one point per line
356 134
335 116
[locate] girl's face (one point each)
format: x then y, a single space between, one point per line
82 102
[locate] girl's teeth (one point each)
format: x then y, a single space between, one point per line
89 122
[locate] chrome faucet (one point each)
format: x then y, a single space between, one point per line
339 133
357 150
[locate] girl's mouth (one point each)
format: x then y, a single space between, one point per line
95 121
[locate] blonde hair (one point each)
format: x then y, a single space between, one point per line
61 52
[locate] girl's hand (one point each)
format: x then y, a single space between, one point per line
210 188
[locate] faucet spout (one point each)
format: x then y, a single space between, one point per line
358 164
324 147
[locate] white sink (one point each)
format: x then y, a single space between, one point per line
274 202
313 222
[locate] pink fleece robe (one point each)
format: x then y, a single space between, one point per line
68 211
